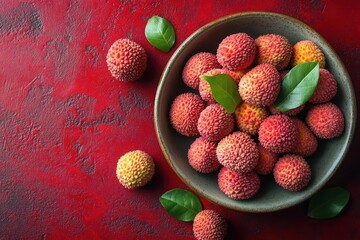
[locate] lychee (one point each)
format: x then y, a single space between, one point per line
326 88
238 151
292 172
248 118
260 86
126 60
326 120
273 49
185 112
202 156
306 142
209 225
215 123
196 66
236 51
204 86
135 169
307 51
238 186
277 133
266 162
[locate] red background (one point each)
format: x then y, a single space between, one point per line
64 121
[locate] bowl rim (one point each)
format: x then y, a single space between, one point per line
181 48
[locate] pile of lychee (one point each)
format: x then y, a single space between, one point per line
257 139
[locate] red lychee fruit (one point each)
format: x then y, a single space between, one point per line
126 60
238 186
238 151
326 88
215 123
292 172
202 156
260 86
248 118
209 225
306 142
185 112
273 49
196 66
236 51
278 133
326 120
266 162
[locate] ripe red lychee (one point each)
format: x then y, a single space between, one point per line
273 49
202 156
185 112
326 120
236 51
292 172
196 66
260 86
325 89
306 142
238 151
266 162
209 225
215 123
248 118
277 133
126 60
291 112
238 186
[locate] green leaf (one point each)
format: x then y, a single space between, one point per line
224 90
181 204
298 86
328 203
160 33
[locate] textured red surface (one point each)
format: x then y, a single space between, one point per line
64 121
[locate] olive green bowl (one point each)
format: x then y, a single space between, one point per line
270 197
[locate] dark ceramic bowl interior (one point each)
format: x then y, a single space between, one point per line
271 197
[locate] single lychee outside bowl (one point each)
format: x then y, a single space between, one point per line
271 197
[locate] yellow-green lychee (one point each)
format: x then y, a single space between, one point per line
307 51
135 169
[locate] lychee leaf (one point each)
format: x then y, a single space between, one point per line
181 204
328 203
298 86
224 90
160 33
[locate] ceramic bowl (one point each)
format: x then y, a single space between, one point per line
271 197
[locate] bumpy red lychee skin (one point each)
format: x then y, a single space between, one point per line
306 142
277 133
236 51
202 156
238 186
292 172
238 151
260 86
126 60
266 162
248 118
204 86
326 120
209 225
291 112
196 66
273 49
215 123
185 112
326 88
